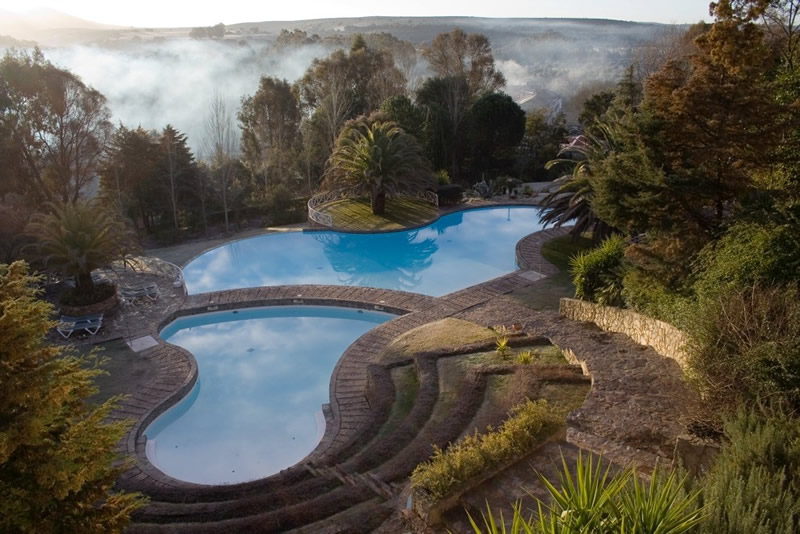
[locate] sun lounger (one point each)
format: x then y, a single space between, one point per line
132 294
89 323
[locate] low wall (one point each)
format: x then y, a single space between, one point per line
664 338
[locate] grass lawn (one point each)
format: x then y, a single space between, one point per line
356 214
443 334
547 293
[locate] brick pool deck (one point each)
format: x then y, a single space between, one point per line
636 395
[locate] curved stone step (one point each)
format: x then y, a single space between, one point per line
390 444
287 518
170 512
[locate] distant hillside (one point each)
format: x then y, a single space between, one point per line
38 23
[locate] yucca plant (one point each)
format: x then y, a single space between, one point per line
501 347
525 357
77 238
595 501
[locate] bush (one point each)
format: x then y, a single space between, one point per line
748 254
597 274
449 194
754 485
99 293
442 177
597 502
447 470
745 345
647 294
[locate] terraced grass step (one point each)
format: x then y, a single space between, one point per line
389 444
362 518
167 512
291 517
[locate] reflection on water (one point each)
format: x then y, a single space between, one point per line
265 374
457 251
399 257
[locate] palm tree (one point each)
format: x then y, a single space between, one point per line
570 197
77 238
376 157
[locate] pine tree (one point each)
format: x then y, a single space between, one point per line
56 451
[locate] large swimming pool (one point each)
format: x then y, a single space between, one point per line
263 375
457 251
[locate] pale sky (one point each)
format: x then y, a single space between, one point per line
171 13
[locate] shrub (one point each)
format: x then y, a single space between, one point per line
525 358
647 294
58 453
745 345
748 254
442 177
597 274
597 502
447 470
754 484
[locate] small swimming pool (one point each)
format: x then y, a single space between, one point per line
263 375
457 251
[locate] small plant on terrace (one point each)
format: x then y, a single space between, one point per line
502 349
525 357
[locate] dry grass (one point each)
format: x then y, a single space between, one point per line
356 214
437 336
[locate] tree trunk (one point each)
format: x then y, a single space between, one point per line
378 202
84 283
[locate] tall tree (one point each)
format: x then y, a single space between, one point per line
221 153
497 127
270 122
176 167
457 53
57 127
56 451
545 132
376 158
446 102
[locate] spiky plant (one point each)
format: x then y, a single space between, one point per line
376 158
77 238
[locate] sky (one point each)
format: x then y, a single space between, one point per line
174 13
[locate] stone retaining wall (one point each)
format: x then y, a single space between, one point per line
663 337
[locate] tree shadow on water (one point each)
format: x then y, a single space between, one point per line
390 261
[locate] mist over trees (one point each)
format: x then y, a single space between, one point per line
261 158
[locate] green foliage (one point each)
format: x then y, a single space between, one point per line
595 501
754 484
747 254
56 452
649 295
501 347
597 274
525 357
442 177
496 127
377 159
77 238
744 345
544 135
447 470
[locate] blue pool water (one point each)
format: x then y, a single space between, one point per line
457 251
263 375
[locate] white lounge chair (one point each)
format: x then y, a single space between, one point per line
131 294
90 323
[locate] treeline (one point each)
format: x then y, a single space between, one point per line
262 161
